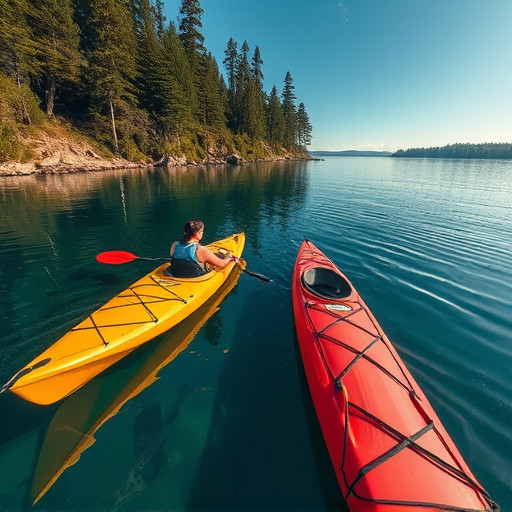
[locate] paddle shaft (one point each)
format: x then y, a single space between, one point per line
259 276
153 259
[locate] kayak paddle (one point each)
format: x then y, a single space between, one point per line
121 257
254 274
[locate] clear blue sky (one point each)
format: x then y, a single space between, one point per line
380 74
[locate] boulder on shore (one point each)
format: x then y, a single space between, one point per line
234 159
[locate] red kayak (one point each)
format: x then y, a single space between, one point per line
389 449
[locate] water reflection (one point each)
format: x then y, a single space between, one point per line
415 236
72 428
39 210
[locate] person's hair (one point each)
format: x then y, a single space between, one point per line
191 228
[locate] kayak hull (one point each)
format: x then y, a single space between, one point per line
388 448
149 307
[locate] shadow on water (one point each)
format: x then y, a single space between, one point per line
264 449
149 442
22 417
326 479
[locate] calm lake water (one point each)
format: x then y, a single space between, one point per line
229 424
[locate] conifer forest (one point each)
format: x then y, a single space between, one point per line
141 86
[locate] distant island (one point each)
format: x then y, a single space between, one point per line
487 150
351 152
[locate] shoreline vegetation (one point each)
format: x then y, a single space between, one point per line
72 152
91 85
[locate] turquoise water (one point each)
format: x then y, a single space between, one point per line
228 424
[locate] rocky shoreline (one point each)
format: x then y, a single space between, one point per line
56 156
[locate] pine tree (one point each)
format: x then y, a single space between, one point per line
231 64
19 52
289 111
243 74
191 37
149 60
275 120
304 127
256 65
55 30
112 61
81 17
159 18
215 116
256 98
176 85
193 44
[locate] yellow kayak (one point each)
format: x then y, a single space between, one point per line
149 307
78 418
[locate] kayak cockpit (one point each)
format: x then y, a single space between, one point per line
163 274
185 269
325 283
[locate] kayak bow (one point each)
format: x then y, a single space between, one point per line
389 449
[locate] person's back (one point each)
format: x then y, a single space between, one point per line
184 261
185 251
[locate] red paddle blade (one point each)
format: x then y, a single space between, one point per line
115 257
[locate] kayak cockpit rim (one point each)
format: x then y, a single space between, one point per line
326 283
166 275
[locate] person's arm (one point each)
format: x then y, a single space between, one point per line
173 246
205 255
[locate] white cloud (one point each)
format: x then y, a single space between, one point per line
343 11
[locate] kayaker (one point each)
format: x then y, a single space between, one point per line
189 257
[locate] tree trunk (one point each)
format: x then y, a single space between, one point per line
24 111
113 123
50 94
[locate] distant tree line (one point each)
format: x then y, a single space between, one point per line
486 150
137 83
